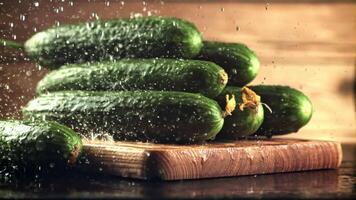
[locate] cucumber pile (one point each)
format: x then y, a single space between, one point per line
148 79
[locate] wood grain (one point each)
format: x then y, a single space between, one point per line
175 162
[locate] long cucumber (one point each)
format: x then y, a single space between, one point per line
138 74
155 116
144 37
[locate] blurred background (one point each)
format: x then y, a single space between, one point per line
307 44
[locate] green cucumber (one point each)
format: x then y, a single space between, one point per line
143 37
240 62
36 147
155 116
246 119
161 74
291 109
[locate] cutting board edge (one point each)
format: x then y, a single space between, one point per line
159 164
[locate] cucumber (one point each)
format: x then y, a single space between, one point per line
154 116
144 37
138 74
36 147
240 62
291 109
245 120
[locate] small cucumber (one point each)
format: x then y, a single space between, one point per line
240 62
291 109
161 74
244 120
143 37
156 116
36 147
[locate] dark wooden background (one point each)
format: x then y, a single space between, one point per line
309 45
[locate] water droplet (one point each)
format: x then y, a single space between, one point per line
28 73
94 15
52 165
222 9
237 28
122 3
71 3
266 6
107 3
11 24
22 17
36 4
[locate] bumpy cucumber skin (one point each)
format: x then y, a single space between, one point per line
291 109
163 117
241 123
144 37
36 147
240 62
138 74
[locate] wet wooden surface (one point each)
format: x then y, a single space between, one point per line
218 159
319 184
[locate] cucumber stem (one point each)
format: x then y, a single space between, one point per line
11 43
230 105
249 99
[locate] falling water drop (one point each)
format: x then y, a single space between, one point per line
266 6
28 73
22 17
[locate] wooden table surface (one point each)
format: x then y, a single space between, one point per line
319 184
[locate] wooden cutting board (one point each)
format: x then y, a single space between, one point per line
175 162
